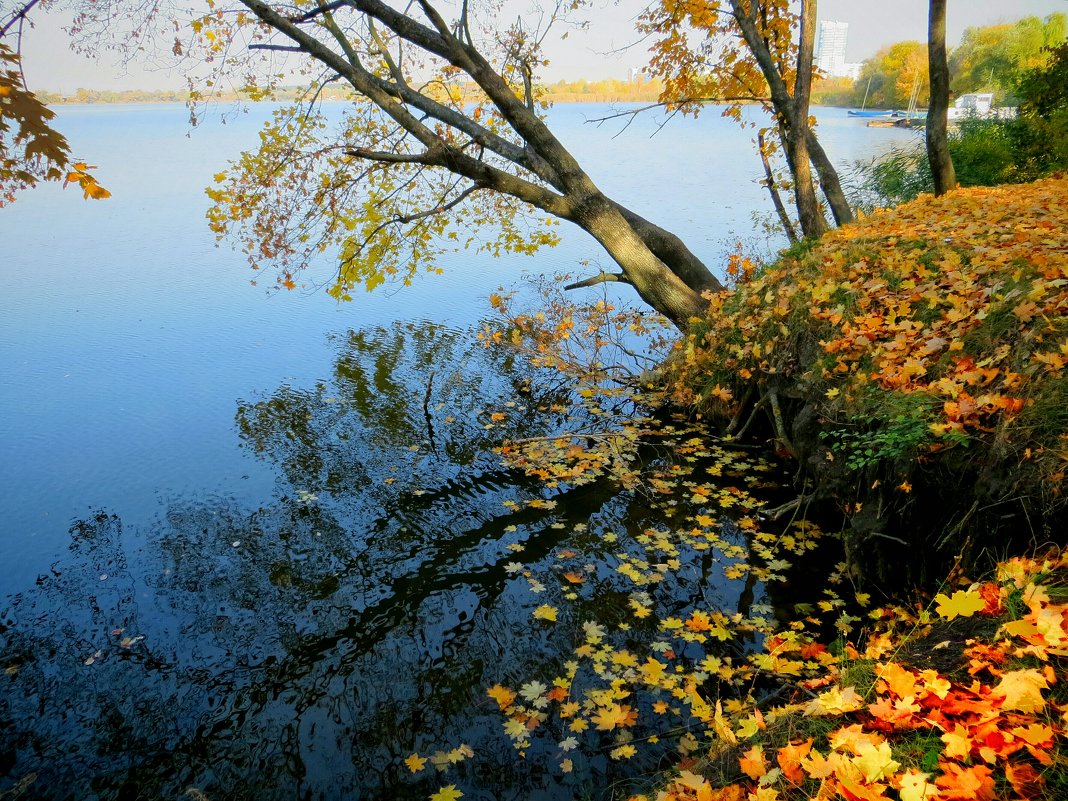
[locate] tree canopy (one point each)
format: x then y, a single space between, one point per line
994 58
445 144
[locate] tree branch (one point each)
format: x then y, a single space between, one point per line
600 278
277 48
19 15
425 158
439 152
313 13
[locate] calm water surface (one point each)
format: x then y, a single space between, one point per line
239 553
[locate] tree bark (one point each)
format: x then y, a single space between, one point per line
829 181
812 221
657 285
945 177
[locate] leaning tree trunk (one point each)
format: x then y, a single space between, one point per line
945 177
829 181
643 269
534 167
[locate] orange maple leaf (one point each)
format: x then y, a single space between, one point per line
789 759
502 695
615 716
1025 780
752 762
958 783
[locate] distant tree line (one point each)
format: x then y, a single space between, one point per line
83 95
610 90
987 152
991 58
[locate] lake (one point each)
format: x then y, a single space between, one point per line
240 553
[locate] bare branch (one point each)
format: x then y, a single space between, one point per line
315 12
277 48
440 209
389 157
18 17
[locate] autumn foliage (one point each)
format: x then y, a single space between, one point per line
987 728
933 331
31 150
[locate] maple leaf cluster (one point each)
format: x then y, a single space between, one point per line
994 734
910 733
31 150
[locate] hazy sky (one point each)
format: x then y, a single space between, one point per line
49 64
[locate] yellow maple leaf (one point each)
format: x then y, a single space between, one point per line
1022 690
958 743
449 793
722 726
546 612
835 701
875 761
415 763
765 794
1036 734
915 787
579 725
963 603
615 716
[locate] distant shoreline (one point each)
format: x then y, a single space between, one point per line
604 92
610 91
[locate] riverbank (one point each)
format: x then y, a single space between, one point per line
910 369
914 364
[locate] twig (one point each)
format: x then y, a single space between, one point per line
889 537
789 506
18 17
741 407
780 426
752 416
277 48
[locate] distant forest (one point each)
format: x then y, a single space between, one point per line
606 91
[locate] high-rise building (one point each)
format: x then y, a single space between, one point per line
831 47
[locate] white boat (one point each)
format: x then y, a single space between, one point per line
978 104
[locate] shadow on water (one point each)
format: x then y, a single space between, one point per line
305 648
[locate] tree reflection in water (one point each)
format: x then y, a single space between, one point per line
303 649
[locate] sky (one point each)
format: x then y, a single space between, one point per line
609 49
